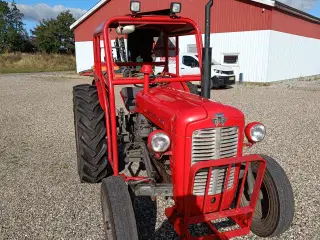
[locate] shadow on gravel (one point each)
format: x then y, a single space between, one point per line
146 218
222 88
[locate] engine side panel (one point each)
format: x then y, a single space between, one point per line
165 106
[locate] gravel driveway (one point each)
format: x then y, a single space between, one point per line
40 193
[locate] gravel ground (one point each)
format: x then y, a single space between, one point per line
40 193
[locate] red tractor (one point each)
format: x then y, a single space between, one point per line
189 146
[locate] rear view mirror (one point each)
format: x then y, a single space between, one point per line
125 29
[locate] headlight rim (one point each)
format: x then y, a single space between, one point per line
155 134
250 127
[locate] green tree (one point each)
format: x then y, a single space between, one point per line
66 37
16 35
13 36
54 35
46 36
4 13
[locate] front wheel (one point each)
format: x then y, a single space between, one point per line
118 216
275 207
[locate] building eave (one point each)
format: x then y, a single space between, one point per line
89 13
265 2
283 7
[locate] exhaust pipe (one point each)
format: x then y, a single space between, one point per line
206 55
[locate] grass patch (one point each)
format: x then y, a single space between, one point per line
26 63
310 78
259 84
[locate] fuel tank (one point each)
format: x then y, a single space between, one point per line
172 110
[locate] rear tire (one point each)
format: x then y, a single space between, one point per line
274 212
214 82
90 133
118 216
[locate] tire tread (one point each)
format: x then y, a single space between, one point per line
91 143
121 208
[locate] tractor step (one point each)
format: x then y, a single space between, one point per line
158 190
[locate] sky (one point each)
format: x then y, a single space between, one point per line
36 10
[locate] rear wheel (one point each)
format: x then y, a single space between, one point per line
118 216
90 133
274 212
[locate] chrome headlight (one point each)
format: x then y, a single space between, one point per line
255 132
159 141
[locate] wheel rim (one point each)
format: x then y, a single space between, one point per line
262 210
107 225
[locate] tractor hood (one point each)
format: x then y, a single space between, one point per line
172 110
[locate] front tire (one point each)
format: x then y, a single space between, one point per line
274 212
118 216
223 86
90 134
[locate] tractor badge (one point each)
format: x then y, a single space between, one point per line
219 119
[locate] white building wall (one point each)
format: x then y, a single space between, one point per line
292 56
250 46
264 56
252 49
84 54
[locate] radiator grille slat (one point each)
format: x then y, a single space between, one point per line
210 144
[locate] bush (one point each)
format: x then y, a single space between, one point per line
22 62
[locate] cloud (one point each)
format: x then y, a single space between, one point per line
303 5
42 11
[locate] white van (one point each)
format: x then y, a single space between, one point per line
221 76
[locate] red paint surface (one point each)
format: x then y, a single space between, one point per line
284 22
227 16
105 83
196 211
179 114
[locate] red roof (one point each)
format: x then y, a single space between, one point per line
227 16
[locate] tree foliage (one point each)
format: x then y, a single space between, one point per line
50 35
54 35
13 36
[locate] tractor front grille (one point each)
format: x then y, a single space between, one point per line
210 144
217 180
227 72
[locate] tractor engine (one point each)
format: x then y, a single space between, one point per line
141 127
199 130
